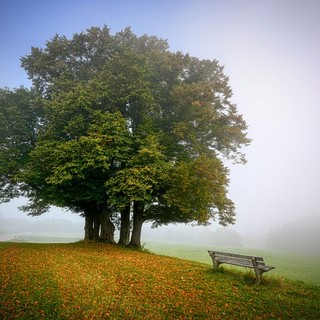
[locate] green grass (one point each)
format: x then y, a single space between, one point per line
98 281
289 265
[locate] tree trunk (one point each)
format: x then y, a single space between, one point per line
88 227
137 225
125 226
96 226
107 228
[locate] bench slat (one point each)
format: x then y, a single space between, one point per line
237 262
244 263
219 253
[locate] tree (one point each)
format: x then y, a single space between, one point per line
72 173
125 128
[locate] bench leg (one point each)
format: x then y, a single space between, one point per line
215 263
257 271
258 275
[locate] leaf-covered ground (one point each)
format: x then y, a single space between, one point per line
97 281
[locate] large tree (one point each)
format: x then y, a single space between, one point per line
122 128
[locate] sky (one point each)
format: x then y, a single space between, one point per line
270 50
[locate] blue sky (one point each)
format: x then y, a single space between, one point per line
270 50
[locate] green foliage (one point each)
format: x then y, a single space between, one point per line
19 123
143 175
204 180
68 173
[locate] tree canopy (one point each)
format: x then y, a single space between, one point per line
119 128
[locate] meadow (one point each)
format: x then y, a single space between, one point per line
294 266
98 281
289 265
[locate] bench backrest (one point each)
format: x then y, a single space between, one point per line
241 257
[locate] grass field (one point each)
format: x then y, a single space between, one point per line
290 265
97 281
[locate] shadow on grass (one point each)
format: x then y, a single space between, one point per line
245 277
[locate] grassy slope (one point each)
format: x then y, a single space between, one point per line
96 281
290 265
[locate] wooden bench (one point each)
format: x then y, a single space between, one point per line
256 263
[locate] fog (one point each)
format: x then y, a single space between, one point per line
270 50
299 235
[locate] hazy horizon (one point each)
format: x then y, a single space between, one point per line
300 235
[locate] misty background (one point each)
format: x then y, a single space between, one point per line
300 235
270 50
